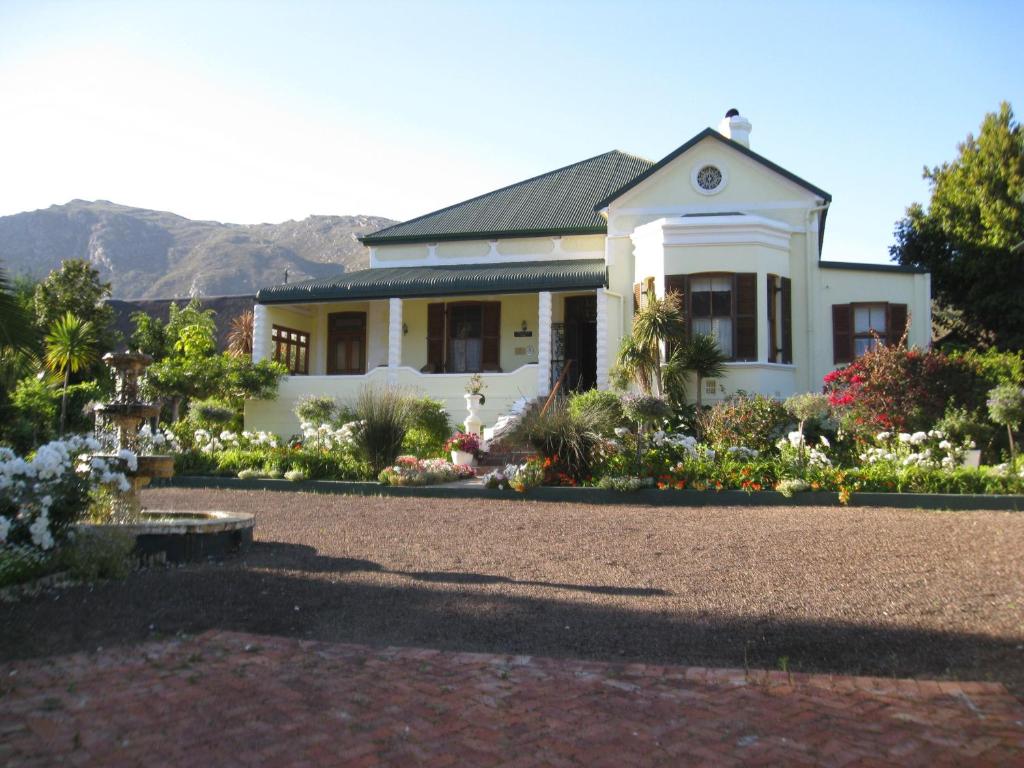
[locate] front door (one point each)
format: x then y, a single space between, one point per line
581 342
346 343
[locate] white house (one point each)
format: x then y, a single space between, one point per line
528 280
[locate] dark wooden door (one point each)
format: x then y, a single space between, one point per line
581 341
346 343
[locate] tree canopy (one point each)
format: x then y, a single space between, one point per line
76 288
968 236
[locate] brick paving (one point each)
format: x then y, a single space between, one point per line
225 698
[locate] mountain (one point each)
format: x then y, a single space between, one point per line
155 254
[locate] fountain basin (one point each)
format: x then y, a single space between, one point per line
175 536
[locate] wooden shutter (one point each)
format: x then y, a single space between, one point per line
745 345
842 333
787 320
435 337
773 320
677 284
491 335
896 323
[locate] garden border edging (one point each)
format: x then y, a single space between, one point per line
646 497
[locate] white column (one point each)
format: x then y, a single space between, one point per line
394 339
262 343
543 343
602 339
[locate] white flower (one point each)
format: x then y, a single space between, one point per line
882 436
918 437
824 442
796 439
40 531
621 431
129 458
945 445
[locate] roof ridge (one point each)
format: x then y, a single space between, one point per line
383 232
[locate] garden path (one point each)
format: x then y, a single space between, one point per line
227 698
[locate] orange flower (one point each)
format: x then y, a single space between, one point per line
681 484
661 486
756 486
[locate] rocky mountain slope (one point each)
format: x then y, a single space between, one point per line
155 254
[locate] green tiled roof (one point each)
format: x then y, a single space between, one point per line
559 202
455 280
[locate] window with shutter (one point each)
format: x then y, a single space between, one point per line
842 334
678 284
787 320
896 325
746 316
772 301
471 336
435 338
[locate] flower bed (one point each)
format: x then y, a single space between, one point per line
43 494
408 470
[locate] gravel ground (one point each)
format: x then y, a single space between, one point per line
854 591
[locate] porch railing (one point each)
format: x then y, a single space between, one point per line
558 385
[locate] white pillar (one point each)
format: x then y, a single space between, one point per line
543 343
394 339
602 339
262 343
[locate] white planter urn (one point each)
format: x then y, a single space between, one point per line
472 422
463 457
972 458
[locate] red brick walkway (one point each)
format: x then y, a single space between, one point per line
234 699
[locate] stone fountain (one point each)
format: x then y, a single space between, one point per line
127 413
160 535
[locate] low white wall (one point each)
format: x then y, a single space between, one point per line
501 390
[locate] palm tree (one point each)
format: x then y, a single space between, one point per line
658 321
240 335
16 329
70 347
702 356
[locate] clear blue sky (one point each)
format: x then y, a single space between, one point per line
248 111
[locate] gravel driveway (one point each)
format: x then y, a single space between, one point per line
855 591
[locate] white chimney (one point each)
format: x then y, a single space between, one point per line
736 127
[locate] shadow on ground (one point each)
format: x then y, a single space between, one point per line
288 589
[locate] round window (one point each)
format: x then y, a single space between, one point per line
709 178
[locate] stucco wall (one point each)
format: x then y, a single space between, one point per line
502 390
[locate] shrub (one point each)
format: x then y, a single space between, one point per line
384 414
890 387
994 366
565 439
20 563
316 410
599 407
98 554
645 409
749 421
212 415
1006 407
809 406
429 427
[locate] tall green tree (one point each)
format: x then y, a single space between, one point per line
76 288
70 347
967 235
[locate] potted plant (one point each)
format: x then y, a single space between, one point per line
475 389
464 448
